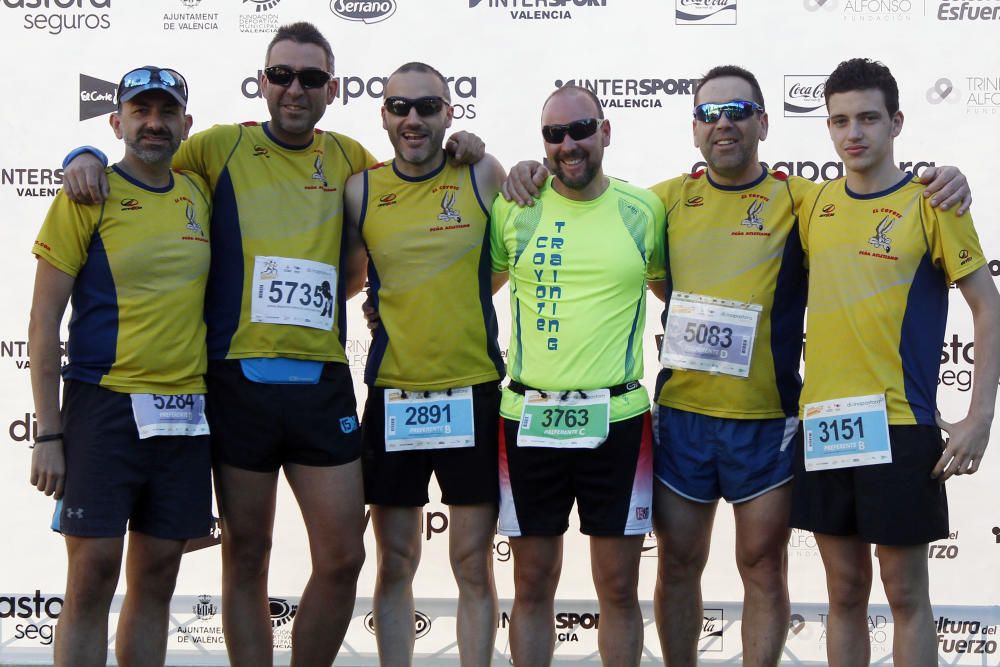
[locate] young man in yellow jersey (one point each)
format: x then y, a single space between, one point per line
871 465
576 423
129 445
434 367
280 392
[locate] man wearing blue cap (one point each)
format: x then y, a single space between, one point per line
129 446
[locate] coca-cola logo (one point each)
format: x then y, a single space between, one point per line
804 95
799 91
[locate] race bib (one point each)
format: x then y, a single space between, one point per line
568 420
160 414
293 291
708 334
428 420
846 432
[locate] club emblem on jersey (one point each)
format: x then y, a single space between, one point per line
448 212
327 294
880 240
318 175
192 223
753 218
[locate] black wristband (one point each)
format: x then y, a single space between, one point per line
48 437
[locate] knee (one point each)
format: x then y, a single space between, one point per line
535 583
848 591
246 555
765 565
676 563
93 578
341 564
907 596
397 563
473 570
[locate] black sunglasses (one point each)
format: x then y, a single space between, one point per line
577 130
710 112
425 106
283 76
143 76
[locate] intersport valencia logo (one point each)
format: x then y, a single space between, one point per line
527 10
705 12
97 97
804 96
365 11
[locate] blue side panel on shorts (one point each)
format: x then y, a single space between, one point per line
787 312
56 513
93 328
920 339
380 342
486 300
224 294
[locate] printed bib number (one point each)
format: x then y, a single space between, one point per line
708 334
846 432
578 420
160 414
428 420
293 291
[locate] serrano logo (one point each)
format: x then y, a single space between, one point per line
705 12
804 95
421 623
366 12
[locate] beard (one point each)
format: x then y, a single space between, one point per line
574 182
151 155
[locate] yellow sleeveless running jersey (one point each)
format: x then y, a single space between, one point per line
879 272
140 262
272 200
739 243
429 272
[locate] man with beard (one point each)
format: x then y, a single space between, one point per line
280 392
130 445
434 366
576 424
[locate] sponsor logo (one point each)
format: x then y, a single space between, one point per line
868 11
942 90
365 11
357 354
710 639
996 534
23 430
570 624
632 93
18 350
804 96
649 545
968 10
944 551
33 617
822 171
421 623
281 611
30 606
695 201
828 211
705 12
32 181
982 95
796 624
501 549
62 15
463 89
878 636
641 513
349 424
185 21
131 205
528 10
387 200
262 19
973 636
802 544
205 609
97 97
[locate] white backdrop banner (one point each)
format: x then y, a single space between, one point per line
642 59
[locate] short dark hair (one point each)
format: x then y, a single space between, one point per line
863 74
720 71
581 90
302 32
423 68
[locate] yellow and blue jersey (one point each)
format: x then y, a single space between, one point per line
271 200
739 243
578 272
140 262
880 266
429 272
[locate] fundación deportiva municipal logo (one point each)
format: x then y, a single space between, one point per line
365 11
705 12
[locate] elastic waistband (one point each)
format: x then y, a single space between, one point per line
616 390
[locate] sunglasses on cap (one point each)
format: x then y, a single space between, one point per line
710 112
152 78
577 130
283 76
425 106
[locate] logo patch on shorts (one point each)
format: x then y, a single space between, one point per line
641 513
349 424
